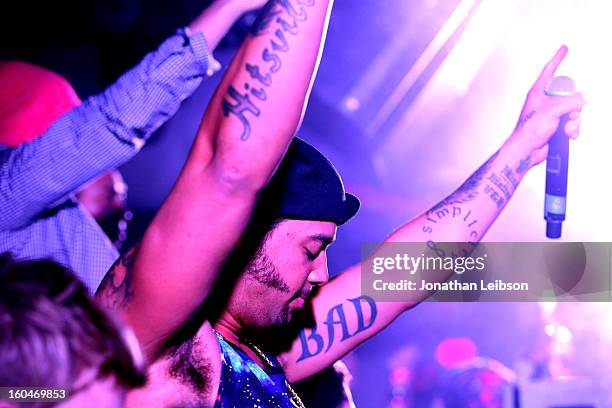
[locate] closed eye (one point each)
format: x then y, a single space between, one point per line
310 255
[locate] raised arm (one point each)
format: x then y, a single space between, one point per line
245 131
464 216
108 129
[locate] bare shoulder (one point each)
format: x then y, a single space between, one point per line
186 375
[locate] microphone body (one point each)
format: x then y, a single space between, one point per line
557 164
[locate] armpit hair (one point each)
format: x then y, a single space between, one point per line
188 365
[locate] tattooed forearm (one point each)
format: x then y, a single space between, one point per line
495 196
525 119
115 290
523 165
279 20
503 185
510 176
454 205
468 190
498 186
313 343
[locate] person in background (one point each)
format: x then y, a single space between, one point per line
51 144
479 383
55 336
105 198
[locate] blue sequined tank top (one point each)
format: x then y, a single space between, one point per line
245 384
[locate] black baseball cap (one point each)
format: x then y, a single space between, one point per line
306 186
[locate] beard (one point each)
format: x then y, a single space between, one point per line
283 319
262 269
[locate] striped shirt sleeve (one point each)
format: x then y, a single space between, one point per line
102 133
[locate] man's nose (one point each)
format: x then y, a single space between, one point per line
320 274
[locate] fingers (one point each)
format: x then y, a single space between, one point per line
572 128
571 105
549 69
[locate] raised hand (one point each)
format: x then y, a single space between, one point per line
541 115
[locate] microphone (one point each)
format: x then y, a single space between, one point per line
557 163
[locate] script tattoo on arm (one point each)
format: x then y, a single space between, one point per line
498 186
115 290
313 343
454 205
279 20
503 184
522 121
469 189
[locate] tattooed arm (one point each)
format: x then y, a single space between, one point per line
344 318
245 131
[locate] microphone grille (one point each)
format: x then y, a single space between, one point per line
561 86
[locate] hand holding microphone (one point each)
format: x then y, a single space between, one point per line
557 163
550 115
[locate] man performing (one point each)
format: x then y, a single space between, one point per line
38 216
234 329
